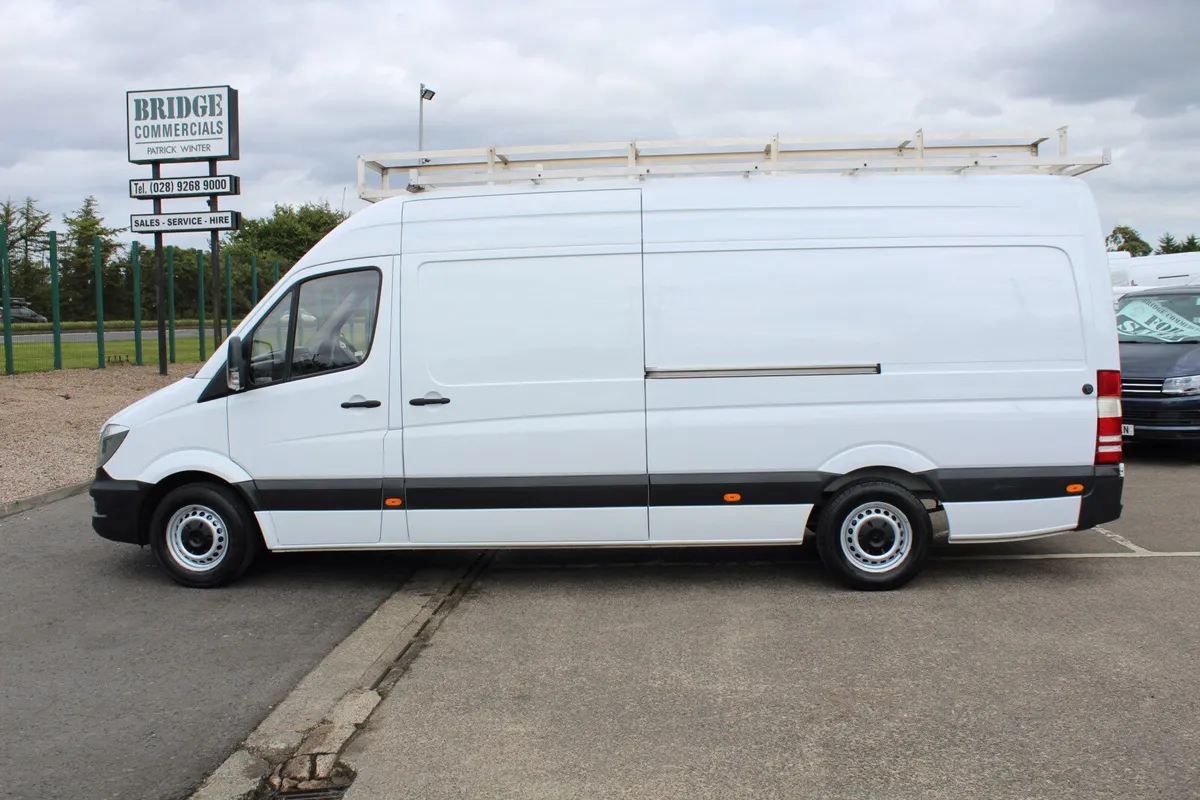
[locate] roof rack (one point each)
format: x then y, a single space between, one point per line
776 155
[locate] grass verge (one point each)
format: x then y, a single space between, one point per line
39 356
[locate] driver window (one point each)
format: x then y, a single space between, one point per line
336 322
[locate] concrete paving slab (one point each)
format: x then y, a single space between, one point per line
991 679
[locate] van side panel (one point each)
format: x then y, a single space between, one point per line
978 305
950 356
541 359
525 313
1023 519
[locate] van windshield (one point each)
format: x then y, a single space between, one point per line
1160 318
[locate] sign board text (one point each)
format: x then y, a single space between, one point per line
185 221
194 124
146 189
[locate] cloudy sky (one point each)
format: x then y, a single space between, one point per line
321 82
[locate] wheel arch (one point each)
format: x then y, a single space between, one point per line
925 490
211 462
919 485
159 490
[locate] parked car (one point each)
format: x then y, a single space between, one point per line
305 317
22 312
1159 332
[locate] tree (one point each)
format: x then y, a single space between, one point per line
78 282
1125 239
9 217
119 304
31 272
23 222
28 245
287 234
1167 245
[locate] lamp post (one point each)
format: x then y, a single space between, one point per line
426 94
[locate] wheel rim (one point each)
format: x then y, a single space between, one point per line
197 538
876 537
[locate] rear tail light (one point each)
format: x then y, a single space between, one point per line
1108 417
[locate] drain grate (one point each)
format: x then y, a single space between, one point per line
311 794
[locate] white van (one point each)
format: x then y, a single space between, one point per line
703 361
1171 269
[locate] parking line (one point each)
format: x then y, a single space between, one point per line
1121 540
1139 553
1142 553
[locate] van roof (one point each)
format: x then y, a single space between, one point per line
1160 259
374 231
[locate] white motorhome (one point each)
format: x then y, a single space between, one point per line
650 362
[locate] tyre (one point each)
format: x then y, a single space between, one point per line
874 535
203 535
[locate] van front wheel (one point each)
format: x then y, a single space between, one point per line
203 535
874 535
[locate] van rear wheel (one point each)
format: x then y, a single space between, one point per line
874 535
203 535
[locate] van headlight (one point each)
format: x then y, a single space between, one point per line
110 439
1188 384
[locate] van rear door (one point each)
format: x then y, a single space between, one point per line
522 368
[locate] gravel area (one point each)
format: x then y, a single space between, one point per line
50 422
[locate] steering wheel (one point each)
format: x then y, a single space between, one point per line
348 350
262 358
340 352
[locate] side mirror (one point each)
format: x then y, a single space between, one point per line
237 370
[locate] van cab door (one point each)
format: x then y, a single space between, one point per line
310 427
523 369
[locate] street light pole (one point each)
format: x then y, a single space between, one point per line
426 94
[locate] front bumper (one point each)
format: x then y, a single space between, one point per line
1161 417
117 507
1103 503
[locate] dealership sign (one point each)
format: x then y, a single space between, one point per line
148 189
165 126
194 124
199 123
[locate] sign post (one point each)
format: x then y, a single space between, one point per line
214 246
159 281
178 126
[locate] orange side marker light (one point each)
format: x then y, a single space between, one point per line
733 497
393 502
1075 488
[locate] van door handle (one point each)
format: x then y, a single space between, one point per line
429 401
361 404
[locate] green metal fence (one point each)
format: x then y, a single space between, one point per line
89 339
